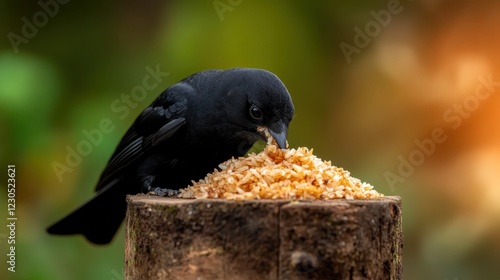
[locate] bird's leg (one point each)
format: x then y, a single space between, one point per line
147 183
147 187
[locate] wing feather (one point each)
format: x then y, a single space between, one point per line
154 126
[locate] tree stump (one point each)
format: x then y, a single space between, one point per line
169 238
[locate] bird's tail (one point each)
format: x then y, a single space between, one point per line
99 218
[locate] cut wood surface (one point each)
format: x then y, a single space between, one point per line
169 238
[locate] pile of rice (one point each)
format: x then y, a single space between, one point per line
279 174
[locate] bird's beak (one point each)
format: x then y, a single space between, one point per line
280 137
278 131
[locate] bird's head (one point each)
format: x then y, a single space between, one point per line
254 101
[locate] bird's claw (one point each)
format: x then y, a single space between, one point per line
164 192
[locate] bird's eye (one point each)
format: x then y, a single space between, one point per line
255 113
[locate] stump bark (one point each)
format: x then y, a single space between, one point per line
168 238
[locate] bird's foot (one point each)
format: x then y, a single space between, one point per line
147 187
164 192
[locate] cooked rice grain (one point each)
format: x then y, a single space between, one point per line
279 174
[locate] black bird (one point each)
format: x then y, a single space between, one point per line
184 134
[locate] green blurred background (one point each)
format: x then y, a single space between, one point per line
361 111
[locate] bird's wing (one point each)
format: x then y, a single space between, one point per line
155 125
